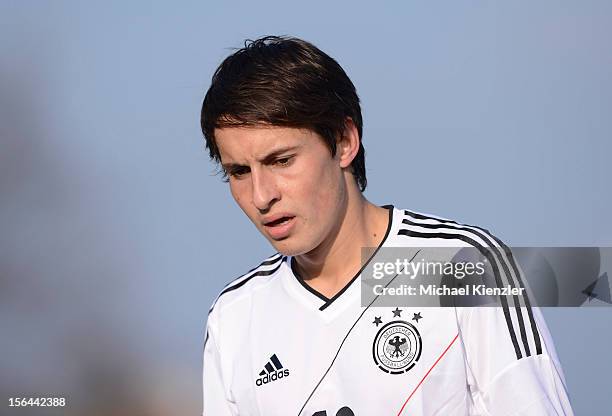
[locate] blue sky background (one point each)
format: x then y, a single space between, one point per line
116 235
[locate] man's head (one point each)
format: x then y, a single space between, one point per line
284 120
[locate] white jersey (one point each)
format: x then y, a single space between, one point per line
275 346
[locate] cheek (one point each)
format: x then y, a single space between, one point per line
323 172
327 182
241 196
310 186
235 193
320 191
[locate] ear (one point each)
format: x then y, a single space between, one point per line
348 145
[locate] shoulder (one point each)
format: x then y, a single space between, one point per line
471 241
244 285
444 231
515 313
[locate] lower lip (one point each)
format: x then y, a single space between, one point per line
280 231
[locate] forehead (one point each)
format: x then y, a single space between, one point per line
261 140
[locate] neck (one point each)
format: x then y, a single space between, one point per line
329 267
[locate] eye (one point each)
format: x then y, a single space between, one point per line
236 172
283 161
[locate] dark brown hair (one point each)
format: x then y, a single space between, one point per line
283 81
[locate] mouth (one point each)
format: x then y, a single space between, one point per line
280 228
279 221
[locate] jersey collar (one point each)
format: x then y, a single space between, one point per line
348 294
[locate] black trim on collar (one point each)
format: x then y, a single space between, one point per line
303 283
329 301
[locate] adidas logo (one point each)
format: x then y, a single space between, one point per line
272 371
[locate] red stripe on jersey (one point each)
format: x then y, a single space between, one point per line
425 376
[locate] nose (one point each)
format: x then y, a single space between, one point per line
265 192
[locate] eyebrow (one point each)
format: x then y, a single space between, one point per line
266 159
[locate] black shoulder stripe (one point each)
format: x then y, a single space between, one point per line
488 236
259 273
517 273
242 282
517 308
487 254
270 260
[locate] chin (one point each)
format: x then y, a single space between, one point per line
287 247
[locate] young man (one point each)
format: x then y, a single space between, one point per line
291 336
